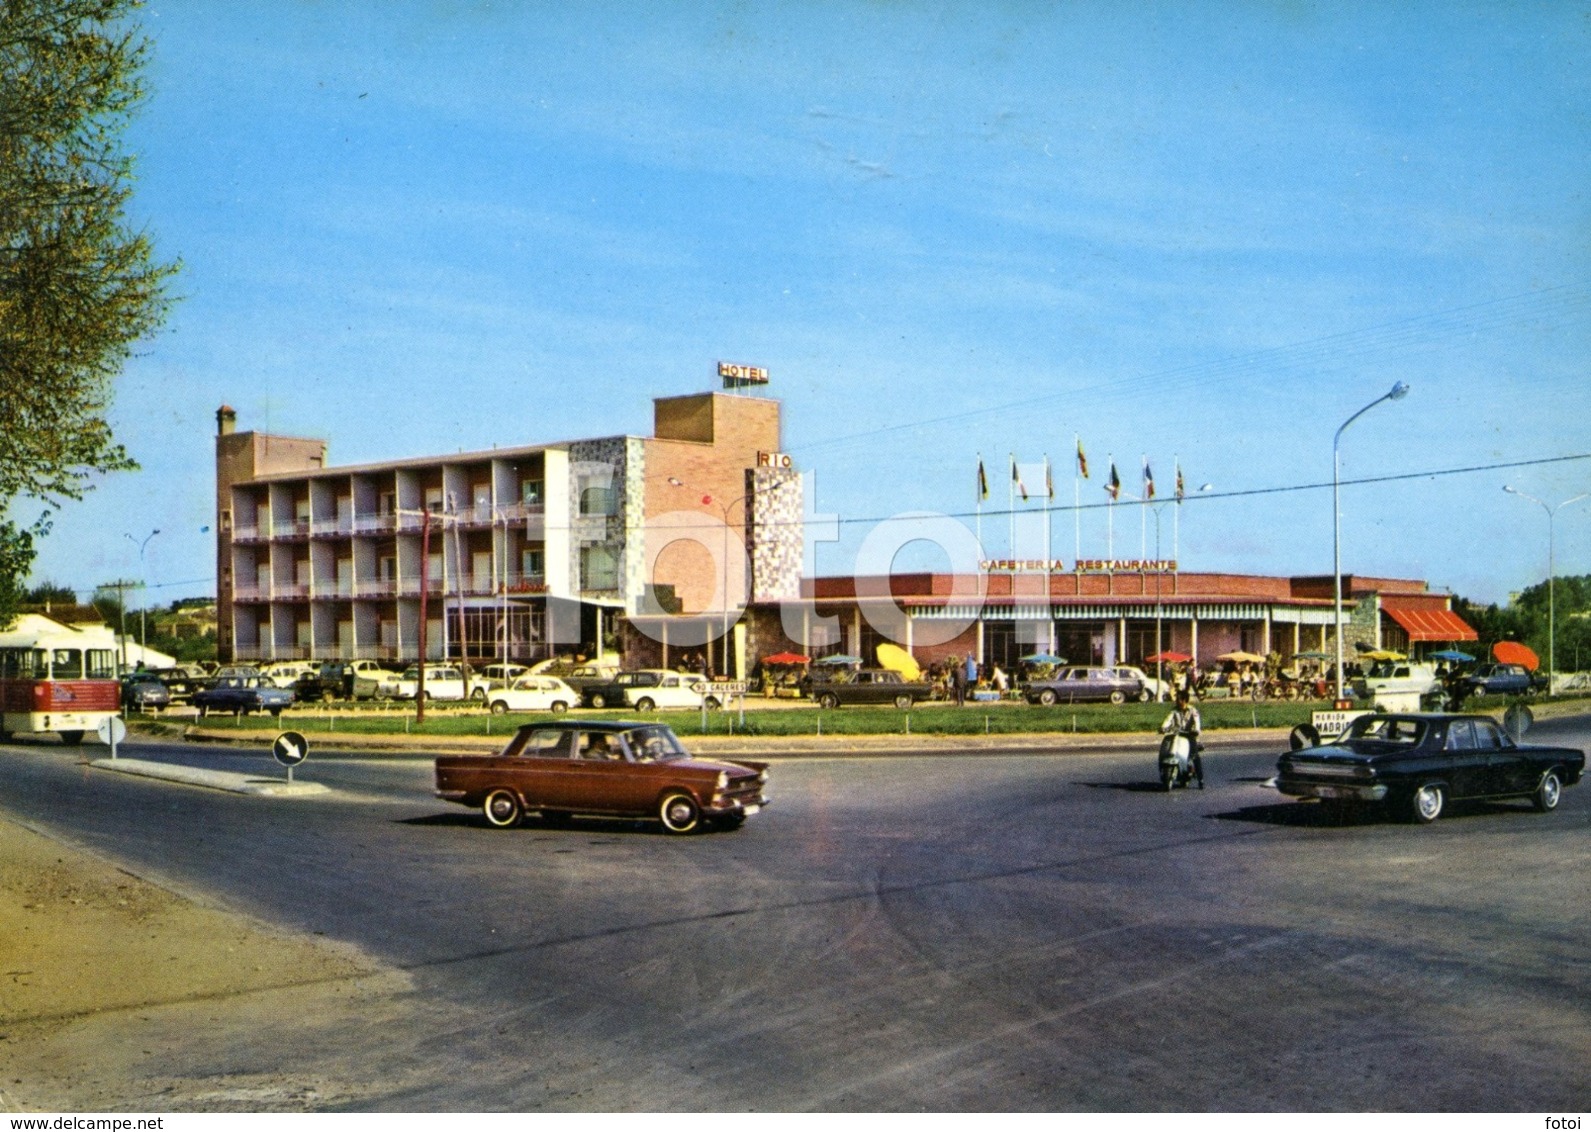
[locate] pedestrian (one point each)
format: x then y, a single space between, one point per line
958 680
972 671
1002 682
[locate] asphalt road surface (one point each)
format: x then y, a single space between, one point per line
946 933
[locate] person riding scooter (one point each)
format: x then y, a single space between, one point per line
1184 720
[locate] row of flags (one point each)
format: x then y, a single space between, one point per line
1112 485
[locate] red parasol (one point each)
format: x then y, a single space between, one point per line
786 658
1169 657
1512 652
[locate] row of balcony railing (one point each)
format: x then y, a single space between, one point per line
480 515
406 586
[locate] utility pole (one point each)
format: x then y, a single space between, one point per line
121 586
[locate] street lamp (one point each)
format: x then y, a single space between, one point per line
1396 393
143 626
1552 629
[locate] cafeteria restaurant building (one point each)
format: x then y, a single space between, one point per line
1102 613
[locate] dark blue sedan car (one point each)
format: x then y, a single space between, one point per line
239 695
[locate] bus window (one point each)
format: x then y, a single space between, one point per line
66 664
101 664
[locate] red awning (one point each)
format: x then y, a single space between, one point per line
1431 624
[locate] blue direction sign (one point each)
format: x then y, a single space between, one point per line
290 749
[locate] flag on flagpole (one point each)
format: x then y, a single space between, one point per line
1149 480
1049 480
983 481
1113 488
1017 479
1082 460
1180 487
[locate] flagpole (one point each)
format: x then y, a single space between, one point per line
1010 488
1143 515
1077 504
1110 517
982 479
1176 512
1049 499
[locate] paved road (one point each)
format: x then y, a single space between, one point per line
992 932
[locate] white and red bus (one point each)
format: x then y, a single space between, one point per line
53 680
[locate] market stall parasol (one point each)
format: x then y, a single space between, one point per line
897 659
1452 656
839 659
1242 657
1512 652
1169 657
786 658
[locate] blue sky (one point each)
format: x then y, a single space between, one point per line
1209 232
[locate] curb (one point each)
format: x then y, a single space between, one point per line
212 779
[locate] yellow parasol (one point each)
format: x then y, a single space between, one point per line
897 659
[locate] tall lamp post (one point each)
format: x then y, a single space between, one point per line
1396 393
1552 628
143 625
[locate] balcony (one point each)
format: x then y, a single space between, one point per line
375 524
246 534
251 593
381 587
290 528
322 528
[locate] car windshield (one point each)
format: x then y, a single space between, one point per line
654 744
1387 729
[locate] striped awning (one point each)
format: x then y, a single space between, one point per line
1431 624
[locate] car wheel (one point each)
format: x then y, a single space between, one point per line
499 707
828 700
599 701
679 812
72 738
644 704
1047 697
1426 804
1547 794
203 711
1117 697
423 697
559 707
1145 696
903 702
276 713
711 703
1478 691
502 809
478 694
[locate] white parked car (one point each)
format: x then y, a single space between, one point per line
533 693
368 678
1153 689
1400 678
285 673
442 682
670 690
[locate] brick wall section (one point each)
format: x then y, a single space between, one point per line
707 442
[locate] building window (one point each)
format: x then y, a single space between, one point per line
598 499
599 567
532 563
530 492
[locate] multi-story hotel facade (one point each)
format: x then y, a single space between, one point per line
516 553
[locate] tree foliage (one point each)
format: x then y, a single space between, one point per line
79 285
16 559
1526 619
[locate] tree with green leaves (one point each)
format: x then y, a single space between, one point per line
80 284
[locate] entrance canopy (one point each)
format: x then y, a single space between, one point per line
1430 624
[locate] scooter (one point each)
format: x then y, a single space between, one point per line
1179 764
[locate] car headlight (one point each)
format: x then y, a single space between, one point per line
723 779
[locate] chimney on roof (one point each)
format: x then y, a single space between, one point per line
226 420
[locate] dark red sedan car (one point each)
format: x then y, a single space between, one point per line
615 769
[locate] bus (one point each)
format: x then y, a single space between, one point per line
53 681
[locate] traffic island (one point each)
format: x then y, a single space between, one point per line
212 779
